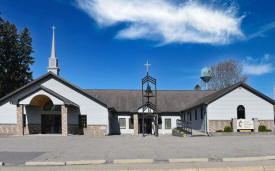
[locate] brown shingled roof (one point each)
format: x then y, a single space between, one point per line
130 100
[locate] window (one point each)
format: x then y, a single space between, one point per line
196 116
160 122
190 115
240 112
82 121
24 120
167 123
184 116
122 123
201 113
131 123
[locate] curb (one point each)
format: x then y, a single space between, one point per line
241 159
133 161
45 163
188 160
85 162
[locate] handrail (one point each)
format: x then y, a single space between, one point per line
185 126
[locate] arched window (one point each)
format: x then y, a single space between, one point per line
240 112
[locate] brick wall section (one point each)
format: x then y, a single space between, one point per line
135 124
215 125
268 123
95 130
64 120
19 111
32 129
8 129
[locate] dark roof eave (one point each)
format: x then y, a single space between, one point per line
60 79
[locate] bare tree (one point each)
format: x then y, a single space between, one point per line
224 74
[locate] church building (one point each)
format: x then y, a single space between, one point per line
52 105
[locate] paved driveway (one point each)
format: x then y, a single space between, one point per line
17 150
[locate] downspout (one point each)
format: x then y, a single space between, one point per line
206 120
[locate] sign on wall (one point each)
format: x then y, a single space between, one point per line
245 124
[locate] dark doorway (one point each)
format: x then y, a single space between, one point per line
51 124
147 125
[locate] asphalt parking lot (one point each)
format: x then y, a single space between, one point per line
15 150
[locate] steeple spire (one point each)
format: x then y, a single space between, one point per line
53 44
53 62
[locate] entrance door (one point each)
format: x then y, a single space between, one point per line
51 124
147 125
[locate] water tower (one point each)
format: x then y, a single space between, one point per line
206 76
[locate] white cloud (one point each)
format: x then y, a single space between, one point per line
189 22
257 69
254 66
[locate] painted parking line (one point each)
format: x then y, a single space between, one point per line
45 163
188 160
85 162
132 161
250 168
260 158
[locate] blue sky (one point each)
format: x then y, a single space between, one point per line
103 44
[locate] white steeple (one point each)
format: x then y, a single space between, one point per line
53 62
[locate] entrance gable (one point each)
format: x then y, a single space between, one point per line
226 107
27 100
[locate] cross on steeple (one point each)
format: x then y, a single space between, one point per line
147 66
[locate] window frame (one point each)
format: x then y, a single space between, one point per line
168 119
82 121
120 124
242 110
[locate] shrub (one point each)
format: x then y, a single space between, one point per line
262 128
178 130
220 130
228 129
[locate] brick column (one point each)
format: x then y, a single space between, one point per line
135 124
234 124
64 120
20 129
256 124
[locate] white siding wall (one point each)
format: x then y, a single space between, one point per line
96 113
225 107
173 124
8 113
127 130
